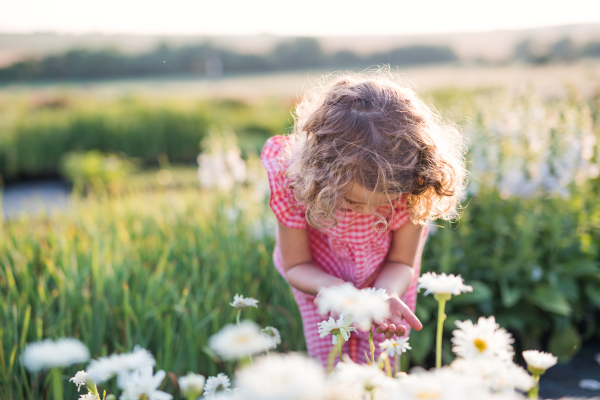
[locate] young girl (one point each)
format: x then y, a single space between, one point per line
366 166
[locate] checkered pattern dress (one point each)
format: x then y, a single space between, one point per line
352 250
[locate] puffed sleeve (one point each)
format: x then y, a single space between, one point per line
282 201
399 216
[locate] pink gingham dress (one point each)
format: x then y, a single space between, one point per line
352 250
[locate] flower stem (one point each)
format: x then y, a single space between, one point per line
237 319
331 359
441 298
534 392
397 364
56 383
339 340
372 346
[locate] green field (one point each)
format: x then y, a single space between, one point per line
157 265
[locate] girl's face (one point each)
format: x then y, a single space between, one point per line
362 200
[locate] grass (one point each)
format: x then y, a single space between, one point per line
158 265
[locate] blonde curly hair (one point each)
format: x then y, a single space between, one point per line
369 129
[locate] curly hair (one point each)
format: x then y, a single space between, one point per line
368 129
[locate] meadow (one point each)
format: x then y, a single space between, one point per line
157 263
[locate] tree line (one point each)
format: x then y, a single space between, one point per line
207 59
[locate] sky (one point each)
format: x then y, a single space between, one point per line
281 17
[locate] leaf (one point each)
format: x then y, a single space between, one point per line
510 295
422 343
565 343
593 294
481 292
548 298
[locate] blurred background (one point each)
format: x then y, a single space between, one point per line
134 204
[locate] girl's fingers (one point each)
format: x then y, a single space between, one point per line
410 318
391 331
400 330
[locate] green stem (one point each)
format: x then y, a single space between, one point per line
397 364
372 347
441 298
339 340
534 392
237 319
56 383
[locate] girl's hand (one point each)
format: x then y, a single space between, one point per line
399 313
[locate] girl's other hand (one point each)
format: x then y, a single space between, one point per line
400 312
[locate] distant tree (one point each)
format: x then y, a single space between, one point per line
591 49
563 50
298 53
414 55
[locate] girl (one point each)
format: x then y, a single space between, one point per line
367 164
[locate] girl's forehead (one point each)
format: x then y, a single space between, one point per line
359 194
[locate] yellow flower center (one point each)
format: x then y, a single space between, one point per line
480 345
144 396
242 339
428 395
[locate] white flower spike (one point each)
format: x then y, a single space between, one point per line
335 328
442 284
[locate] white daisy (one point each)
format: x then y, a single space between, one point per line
217 384
363 378
54 353
439 384
142 384
363 305
335 328
485 339
242 303
88 396
282 377
79 379
120 365
272 335
496 376
538 361
442 284
191 385
237 341
395 346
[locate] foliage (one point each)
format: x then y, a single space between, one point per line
159 267
35 133
96 171
207 60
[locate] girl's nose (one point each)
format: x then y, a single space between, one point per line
364 210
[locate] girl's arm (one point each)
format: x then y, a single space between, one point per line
396 275
301 272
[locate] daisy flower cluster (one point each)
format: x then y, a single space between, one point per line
483 368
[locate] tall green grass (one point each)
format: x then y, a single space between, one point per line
154 269
35 133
